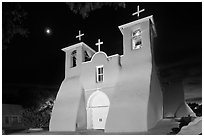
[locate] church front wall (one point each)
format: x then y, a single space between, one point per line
111 72
111 68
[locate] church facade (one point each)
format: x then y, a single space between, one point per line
118 93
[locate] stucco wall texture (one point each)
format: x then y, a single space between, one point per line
130 82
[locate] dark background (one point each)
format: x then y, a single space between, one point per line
37 62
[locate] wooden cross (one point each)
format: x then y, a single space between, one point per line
80 35
138 11
99 44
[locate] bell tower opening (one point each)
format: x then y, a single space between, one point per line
73 58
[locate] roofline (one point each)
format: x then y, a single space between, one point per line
136 21
77 45
121 27
89 48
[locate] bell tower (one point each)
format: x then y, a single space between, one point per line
138 39
138 63
75 56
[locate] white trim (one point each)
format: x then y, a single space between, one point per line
78 45
136 22
89 126
107 57
113 55
98 53
89 109
121 27
72 46
93 94
98 88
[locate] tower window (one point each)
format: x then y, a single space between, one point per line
87 57
136 39
99 74
73 58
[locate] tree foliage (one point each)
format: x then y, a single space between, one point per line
39 117
13 16
35 119
84 8
34 96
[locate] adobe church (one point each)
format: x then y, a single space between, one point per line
118 93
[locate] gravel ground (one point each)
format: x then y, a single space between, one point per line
162 128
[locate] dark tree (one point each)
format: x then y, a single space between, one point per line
39 117
13 17
84 8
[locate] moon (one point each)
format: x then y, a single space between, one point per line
48 31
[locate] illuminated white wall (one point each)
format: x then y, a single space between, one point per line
130 84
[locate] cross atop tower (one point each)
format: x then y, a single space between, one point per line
80 35
138 11
99 44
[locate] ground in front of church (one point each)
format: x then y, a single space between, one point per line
164 127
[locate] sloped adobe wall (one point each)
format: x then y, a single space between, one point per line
174 102
155 104
81 120
64 113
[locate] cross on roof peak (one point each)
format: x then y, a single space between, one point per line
99 44
138 11
80 35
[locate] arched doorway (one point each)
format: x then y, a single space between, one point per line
97 110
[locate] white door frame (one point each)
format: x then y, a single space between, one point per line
90 108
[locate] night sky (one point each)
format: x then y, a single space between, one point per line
39 60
